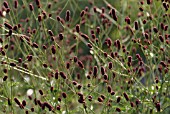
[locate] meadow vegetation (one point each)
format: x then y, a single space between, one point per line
84 56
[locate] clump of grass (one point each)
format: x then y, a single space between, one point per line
71 56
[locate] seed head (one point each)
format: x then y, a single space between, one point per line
49 5
67 65
35 45
161 38
8 10
109 89
59 99
149 2
75 59
53 49
88 76
6 46
6 4
114 16
24 103
136 25
90 98
86 8
118 110
17 101
89 45
58 18
132 104
146 35
64 95
137 102
12 64
42 106
35 101
130 59
112 93
5 70
48 106
50 33
44 47
80 64
140 8
30 97
102 70
95 9
155 29
61 36
95 70
39 18
10 32
20 60
8 25
37 3
78 75
108 42
29 57
63 75
74 82
105 54
118 44
98 30
39 103
31 7
84 36
82 13
100 99
105 76
118 99
144 21
32 109
165 27
58 107
9 102
67 17
16 4
112 55
41 92
26 112
81 100
127 20
45 65
163 63
110 65
102 96
79 87
158 107
44 14
165 5
77 28
5 78
162 26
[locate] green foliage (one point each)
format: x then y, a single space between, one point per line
84 56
